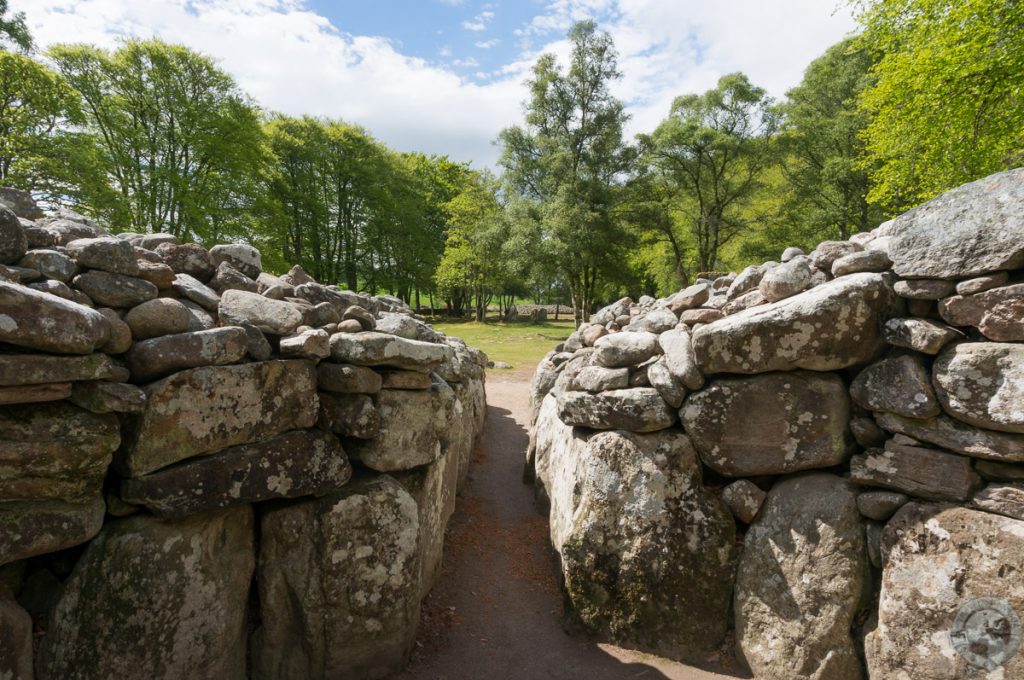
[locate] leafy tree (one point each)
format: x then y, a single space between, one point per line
947 105
821 147
707 159
570 157
179 143
14 29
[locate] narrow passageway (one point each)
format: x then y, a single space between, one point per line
496 611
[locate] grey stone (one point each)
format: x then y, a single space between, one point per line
314 344
380 349
917 471
34 394
153 241
39 369
21 203
786 280
744 499
969 310
346 379
405 380
1004 322
880 505
192 288
50 263
1001 499
242 257
13 240
922 335
924 289
862 261
158 357
153 318
188 258
38 527
600 379
108 397
114 290
625 349
364 318
999 472
413 429
105 253
270 316
669 387
866 432
982 283
120 333
982 384
690 297
350 415
951 434
804 553
32 319
827 252
228 278
639 409
770 424
898 384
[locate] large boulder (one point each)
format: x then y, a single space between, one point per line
641 540
951 596
37 320
832 326
381 349
640 409
339 584
156 599
770 424
897 384
208 409
293 464
39 527
974 229
982 384
800 581
270 316
55 451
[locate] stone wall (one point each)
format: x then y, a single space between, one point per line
207 471
824 455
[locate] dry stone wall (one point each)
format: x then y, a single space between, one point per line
823 454
207 471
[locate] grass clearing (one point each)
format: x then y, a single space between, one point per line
520 343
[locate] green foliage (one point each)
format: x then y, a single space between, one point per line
569 159
13 29
947 105
821 148
179 144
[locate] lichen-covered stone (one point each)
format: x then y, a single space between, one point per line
639 409
188 258
39 527
350 415
241 256
413 429
601 379
34 394
193 289
923 335
114 290
37 369
897 384
772 423
50 263
152 598
744 498
1001 499
916 470
346 379
956 436
293 464
108 397
982 384
625 349
162 316
950 593
380 349
105 253
338 585
157 357
208 409
270 316
13 240
831 326
30 318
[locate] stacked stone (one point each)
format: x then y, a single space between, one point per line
184 423
860 410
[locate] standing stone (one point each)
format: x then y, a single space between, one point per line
352 559
898 385
156 599
982 384
974 229
208 409
831 326
640 409
29 318
38 527
293 464
157 357
660 544
770 424
917 471
413 429
54 451
13 241
951 596
801 577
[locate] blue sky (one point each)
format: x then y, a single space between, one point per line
445 76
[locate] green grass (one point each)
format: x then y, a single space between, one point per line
522 344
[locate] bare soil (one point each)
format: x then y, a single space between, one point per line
496 611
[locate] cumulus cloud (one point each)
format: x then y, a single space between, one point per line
487 44
479 22
293 60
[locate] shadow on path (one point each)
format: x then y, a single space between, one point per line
496 611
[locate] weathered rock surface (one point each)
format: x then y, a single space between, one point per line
13 241
293 464
162 316
39 369
1004 322
341 575
350 415
29 318
970 310
923 289
16 634
786 280
413 429
639 409
804 553
832 326
193 289
51 264
951 599
924 335
600 379
744 498
105 253
1001 499
680 358
157 357
917 471
208 409
898 384
380 349
153 598
54 451
770 424
39 527
188 258
861 261
956 436
242 257
270 316
974 229
114 290
405 380
108 397
346 379
982 384
625 349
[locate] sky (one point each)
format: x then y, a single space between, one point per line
445 76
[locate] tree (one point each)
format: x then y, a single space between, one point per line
821 147
710 154
14 29
180 144
947 105
570 158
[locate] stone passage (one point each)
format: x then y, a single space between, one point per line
824 455
207 471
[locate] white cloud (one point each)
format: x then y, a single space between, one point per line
294 61
445 52
470 62
479 22
487 44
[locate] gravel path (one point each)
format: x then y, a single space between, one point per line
496 611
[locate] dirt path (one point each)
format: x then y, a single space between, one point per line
496 611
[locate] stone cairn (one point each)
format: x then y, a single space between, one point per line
207 471
824 455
